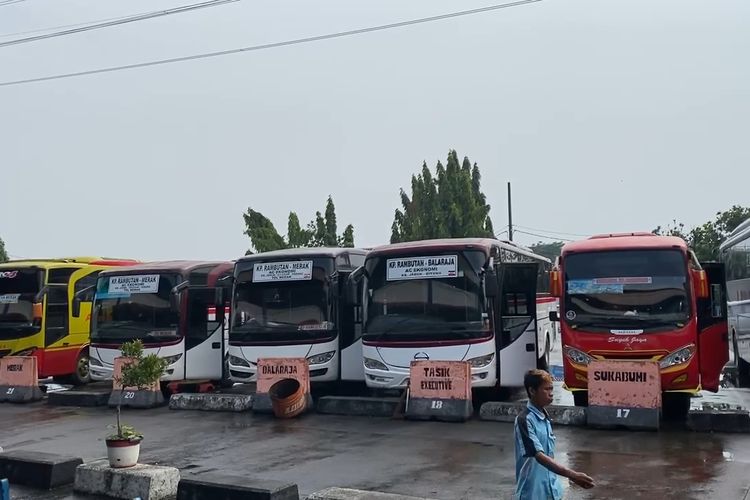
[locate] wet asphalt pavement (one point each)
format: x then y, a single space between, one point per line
473 460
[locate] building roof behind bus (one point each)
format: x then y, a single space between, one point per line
295 253
174 266
445 244
622 241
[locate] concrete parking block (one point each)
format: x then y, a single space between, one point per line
211 402
210 486
81 397
507 412
350 494
38 469
148 482
734 421
357 406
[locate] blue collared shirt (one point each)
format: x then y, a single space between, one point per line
534 481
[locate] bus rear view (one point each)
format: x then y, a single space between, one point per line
643 297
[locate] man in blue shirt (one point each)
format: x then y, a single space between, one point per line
536 469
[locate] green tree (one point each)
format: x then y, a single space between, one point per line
550 250
448 204
3 253
706 239
319 232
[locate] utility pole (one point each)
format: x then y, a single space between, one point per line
510 216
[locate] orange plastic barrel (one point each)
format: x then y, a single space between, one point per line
287 398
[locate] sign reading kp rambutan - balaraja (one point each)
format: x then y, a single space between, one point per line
439 390
272 370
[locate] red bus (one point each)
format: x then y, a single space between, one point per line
639 296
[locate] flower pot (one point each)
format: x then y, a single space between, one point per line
287 398
123 452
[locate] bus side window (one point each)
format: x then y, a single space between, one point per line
85 287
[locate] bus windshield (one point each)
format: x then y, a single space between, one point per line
423 296
18 287
129 307
286 306
626 289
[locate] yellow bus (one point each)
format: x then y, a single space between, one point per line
45 311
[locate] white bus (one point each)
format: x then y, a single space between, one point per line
175 308
291 303
735 253
478 300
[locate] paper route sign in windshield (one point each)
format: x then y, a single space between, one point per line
412 268
297 270
139 283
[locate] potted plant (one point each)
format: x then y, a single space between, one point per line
138 372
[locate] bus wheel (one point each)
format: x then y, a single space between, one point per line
743 372
675 405
543 362
581 398
743 367
81 376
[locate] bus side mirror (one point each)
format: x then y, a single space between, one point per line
554 316
555 283
352 287
76 306
700 283
37 313
176 295
491 289
218 298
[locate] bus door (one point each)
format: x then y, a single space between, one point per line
713 328
350 330
204 336
517 313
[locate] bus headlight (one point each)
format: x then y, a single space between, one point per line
481 361
678 357
172 359
237 361
94 362
374 364
578 357
319 359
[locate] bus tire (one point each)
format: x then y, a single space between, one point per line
675 406
743 367
543 362
581 398
81 375
743 372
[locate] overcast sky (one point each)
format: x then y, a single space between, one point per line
605 116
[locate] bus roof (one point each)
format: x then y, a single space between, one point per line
70 262
740 234
303 252
624 241
445 244
177 266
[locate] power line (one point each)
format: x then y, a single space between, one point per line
51 28
552 232
117 22
10 2
274 45
542 236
